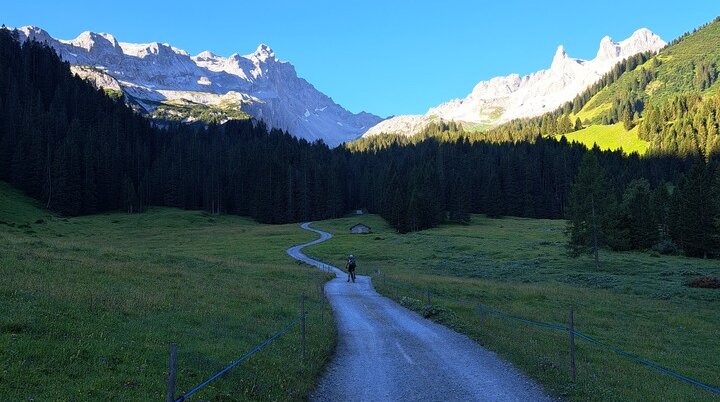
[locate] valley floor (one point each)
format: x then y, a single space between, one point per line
637 301
89 305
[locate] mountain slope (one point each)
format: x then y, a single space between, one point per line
505 98
688 66
258 84
672 99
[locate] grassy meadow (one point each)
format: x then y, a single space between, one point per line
637 301
612 137
89 305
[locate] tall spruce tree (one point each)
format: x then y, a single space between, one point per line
699 223
587 209
642 226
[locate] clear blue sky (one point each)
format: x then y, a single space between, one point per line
382 56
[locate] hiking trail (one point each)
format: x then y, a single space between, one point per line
387 352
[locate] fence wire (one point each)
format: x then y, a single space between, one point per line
292 324
557 327
232 365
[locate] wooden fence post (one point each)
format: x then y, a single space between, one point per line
302 325
322 304
572 344
172 374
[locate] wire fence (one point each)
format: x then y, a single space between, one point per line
299 321
232 365
427 296
484 309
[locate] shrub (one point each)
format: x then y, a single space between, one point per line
666 247
708 282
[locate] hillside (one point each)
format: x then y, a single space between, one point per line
671 98
687 66
80 151
609 137
90 305
502 99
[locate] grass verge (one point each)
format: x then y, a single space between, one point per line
637 301
89 305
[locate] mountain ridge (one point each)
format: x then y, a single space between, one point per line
259 83
504 98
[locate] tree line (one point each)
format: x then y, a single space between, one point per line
79 151
667 217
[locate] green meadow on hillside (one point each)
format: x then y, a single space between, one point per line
674 69
637 301
90 304
613 137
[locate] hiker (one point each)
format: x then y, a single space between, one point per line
350 266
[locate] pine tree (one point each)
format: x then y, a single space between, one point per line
643 228
587 209
660 205
578 124
627 120
494 199
699 215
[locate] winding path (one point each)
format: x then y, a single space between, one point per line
386 352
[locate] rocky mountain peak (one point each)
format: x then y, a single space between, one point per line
560 57
641 39
92 41
607 49
153 73
263 53
35 33
206 55
501 99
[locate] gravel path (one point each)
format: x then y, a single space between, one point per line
386 352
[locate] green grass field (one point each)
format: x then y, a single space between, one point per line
637 301
613 137
89 305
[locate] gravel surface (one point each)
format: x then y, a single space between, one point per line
386 352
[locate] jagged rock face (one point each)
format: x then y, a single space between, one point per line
505 98
263 86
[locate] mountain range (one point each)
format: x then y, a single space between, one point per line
164 81
501 99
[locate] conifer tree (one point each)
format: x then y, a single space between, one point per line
587 209
698 209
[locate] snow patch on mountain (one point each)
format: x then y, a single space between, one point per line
265 87
501 99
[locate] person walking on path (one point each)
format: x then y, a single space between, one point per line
350 266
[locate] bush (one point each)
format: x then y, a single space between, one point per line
708 282
666 247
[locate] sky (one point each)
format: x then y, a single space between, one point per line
386 57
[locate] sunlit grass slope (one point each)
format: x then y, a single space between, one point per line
613 137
